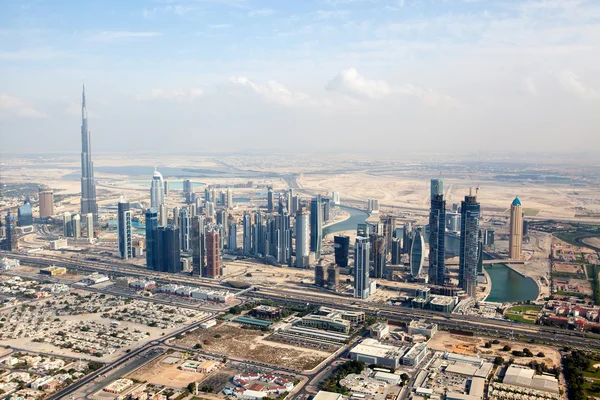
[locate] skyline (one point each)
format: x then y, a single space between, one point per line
458 77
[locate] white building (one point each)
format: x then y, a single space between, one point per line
371 351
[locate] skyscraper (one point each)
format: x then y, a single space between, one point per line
185 225
213 254
437 229
124 228
163 216
88 184
341 248
198 244
326 210
437 187
229 199
46 199
232 235
259 238
76 226
379 257
11 242
417 253
89 225
361 267
270 199
515 240
151 239
389 227
396 251
335 197
67 226
316 226
333 276
320 274
302 238
470 212
247 233
168 250
157 190
25 214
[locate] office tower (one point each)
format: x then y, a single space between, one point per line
209 209
169 253
437 187
89 225
67 226
295 205
76 226
333 276
157 190
515 240
285 238
361 267
341 247
479 256
151 239
46 199
316 226
259 238
373 205
11 242
270 199
469 244
198 244
406 236
221 217
396 251
320 274
166 189
230 199
222 199
185 226
379 257
437 229
163 217
281 205
363 230
335 196
193 210
213 254
272 238
232 235
124 229
187 190
247 233
326 210
88 184
453 221
175 217
207 194
389 228
302 237
525 227
488 237
25 214
417 253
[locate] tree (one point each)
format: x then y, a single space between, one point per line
499 361
404 377
496 341
487 345
540 354
191 387
506 348
198 346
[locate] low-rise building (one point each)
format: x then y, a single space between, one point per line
371 351
421 327
415 355
326 322
59 244
379 330
118 386
53 271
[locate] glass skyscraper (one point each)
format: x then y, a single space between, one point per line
88 184
470 211
316 225
124 228
437 230
362 248
151 239
25 214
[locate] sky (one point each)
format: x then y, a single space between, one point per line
387 77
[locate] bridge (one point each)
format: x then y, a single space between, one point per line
496 261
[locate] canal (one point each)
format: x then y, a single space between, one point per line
356 217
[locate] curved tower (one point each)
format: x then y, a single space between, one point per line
515 240
417 253
157 190
88 184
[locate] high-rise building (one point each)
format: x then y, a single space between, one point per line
361 267
302 238
185 226
89 225
247 233
11 242
67 225
169 253
187 187
437 237
437 188
373 205
198 244
213 254
124 229
389 228
406 237
76 226
232 235
326 210
209 209
163 216
488 237
229 199
335 197
295 205
166 190
316 226
157 190
515 240
379 256
525 227
333 276
259 237
151 239
46 200
25 214
396 251
88 184
270 199
417 253
341 248
320 274
470 212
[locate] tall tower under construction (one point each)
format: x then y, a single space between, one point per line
88 184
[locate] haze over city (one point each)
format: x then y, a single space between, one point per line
358 76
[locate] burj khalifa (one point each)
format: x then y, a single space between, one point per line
88 184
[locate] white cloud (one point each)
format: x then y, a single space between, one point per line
263 12
572 83
529 86
171 94
352 83
109 36
13 106
275 92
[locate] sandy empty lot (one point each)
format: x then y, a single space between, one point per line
592 241
444 341
159 373
569 268
241 343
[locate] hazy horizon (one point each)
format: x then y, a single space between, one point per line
366 77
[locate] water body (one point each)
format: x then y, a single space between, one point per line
172 184
137 227
356 217
509 286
